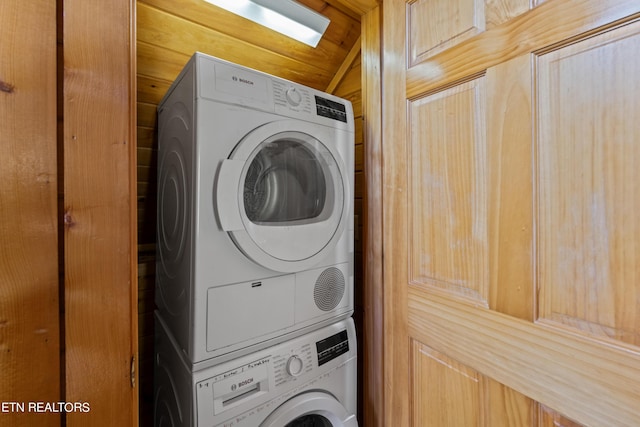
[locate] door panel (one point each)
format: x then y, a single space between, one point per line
510 185
506 407
499 11
447 148
510 210
588 197
457 20
448 393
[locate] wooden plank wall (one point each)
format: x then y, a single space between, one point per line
67 146
371 336
29 309
99 217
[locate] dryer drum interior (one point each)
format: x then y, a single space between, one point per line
311 420
284 182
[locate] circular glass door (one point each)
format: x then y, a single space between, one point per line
288 182
311 409
291 195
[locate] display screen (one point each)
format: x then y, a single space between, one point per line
331 109
332 347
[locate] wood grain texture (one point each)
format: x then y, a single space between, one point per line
588 222
557 127
540 362
29 283
198 26
455 21
373 382
341 34
350 87
549 23
550 418
448 191
348 62
358 7
180 35
506 407
394 216
99 170
510 182
499 11
445 392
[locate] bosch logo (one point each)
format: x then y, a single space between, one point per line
245 382
233 387
241 80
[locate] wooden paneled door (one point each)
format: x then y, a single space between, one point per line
511 152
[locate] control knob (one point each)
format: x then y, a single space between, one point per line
293 96
294 366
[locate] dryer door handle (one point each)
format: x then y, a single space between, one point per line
227 198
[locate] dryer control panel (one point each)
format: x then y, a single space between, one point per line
331 109
289 97
292 98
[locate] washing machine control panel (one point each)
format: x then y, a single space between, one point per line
289 365
332 347
239 384
244 391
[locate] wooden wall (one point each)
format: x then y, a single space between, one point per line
29 309
168 33
100 250
371 335
67 224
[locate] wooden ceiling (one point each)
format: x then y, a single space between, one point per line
169 31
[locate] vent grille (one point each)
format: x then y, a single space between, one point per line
329 289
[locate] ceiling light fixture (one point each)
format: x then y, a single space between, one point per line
284 16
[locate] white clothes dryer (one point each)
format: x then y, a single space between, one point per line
308 381
255 211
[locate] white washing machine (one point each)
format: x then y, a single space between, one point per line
255 211
308 381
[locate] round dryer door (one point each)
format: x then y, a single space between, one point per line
283 195
312 409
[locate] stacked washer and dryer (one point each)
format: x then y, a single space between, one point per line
254 278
